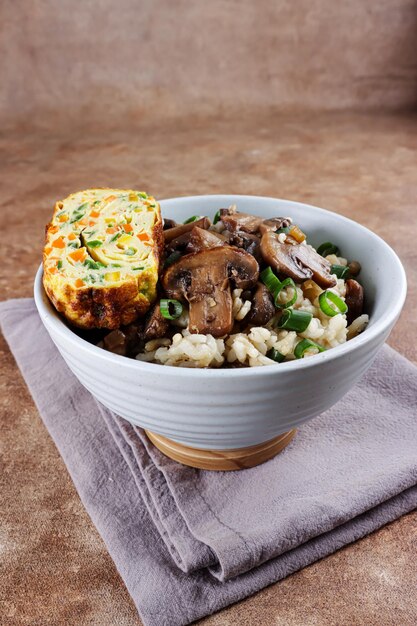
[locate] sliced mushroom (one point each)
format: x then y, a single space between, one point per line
274 224
247 241
299 261
168 223
262 308
172 233
353 299
203 279
115 342
203 239
354 268
156 325
241 221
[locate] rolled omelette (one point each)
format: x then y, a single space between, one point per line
101 256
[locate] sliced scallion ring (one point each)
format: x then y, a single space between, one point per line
270 280
287 283
193 218
166 306
341 271
331 304
292 319
328 248
303 346
216 218
275 355
284 229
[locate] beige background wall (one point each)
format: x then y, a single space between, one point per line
113 59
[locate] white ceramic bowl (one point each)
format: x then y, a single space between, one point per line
234 408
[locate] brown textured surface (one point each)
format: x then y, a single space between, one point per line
110 59
55 567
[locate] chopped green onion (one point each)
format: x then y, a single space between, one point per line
93 265
95 243
130 251
174 256
275 355
270 280
115 265
142 194
295 320
341 271
304 346
288 282
328 248
327 299
96 202
116 236
285 229
138 268
76 217
216 218
59 265
193 218
165 305
74 244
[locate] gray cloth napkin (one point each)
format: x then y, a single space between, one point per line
189 542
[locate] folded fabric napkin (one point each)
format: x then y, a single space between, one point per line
188 542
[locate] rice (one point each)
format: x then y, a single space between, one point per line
240 307
251 345
185 350
357 326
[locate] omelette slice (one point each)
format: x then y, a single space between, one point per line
101 256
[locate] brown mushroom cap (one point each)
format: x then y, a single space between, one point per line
156 325
353 299
274 224
176 231
249 242
241 221
201 239
263 308
203 279
299 261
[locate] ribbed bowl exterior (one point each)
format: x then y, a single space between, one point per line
218 414
222 409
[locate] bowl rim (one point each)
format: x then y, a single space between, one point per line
48 313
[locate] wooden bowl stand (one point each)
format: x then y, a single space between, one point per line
224 460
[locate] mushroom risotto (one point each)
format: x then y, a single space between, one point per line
242 291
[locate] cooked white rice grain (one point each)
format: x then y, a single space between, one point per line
357 326
240 307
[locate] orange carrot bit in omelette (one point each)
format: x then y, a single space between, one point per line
95 213
48 250
82 222
127 228
53 269
79 282
53 229
91 223
71 237
58 243
111 230
78 255
63 218
110 198
143 237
